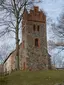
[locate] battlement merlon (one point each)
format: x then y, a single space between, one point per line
34 15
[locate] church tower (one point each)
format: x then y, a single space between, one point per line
34 42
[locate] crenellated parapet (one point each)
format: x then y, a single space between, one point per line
34 15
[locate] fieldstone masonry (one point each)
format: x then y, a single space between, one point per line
34 55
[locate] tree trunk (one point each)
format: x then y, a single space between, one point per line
17 45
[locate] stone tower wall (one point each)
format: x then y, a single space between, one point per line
37 56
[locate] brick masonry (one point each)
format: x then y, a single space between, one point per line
34 57
33 54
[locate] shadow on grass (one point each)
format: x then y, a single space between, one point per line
3 80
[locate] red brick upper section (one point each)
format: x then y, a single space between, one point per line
34 15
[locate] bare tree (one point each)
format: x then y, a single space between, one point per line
58 30
12 13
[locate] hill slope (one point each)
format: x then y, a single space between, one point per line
34 78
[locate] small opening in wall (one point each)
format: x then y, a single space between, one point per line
36 42
38 28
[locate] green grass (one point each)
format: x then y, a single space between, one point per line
49 77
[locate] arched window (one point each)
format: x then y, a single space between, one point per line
38 28
36 42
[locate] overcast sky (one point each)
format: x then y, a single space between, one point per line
52 8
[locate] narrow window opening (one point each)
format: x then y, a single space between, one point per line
36 42
38 28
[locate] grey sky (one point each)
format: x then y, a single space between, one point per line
52 8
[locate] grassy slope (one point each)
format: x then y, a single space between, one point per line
35 78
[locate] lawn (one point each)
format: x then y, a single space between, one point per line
47 77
